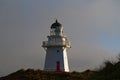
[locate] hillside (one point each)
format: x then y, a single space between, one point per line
31 74
110 71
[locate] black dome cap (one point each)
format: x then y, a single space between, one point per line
56 24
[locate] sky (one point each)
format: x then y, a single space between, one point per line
92 27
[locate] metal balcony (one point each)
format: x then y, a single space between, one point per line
56 44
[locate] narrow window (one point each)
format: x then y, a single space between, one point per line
58 51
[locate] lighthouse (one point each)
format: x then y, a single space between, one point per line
56 48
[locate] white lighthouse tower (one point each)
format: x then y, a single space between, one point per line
56 49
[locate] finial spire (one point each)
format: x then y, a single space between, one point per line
56 21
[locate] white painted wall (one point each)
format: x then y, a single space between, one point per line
52 56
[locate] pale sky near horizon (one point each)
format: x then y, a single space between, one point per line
92 26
